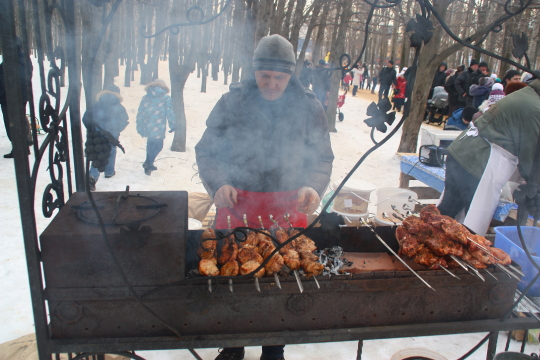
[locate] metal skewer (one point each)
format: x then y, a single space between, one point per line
475 271
348 220
274 221
231 285
257 286
397 217
449 272
395 208
484 249
411 199
458 261
493 276
261 222
286 216
385 216
229 225
245 220
276 278
396 255
210 285
526 306
300 286
507 272
316 282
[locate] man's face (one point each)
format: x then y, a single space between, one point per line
389 64
271 84
442 68
484 70
474 67
515 78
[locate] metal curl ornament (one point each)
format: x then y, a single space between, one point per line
391 3
175 28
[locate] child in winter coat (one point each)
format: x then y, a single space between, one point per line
347 81
111 116
154 111
399 92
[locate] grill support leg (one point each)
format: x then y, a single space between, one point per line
492 345
194 353
359 351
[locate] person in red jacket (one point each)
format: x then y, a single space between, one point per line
399 92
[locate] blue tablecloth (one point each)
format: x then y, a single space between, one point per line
433 177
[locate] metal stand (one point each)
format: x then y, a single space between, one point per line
492 345
359 351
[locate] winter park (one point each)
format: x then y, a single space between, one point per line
284 179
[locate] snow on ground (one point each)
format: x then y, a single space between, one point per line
177 172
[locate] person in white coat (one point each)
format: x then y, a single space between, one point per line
357 79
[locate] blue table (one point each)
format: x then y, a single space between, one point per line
433 176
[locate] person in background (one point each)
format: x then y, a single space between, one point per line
514 86
510 77
320 81
463 83
347 80
26 78
399 92
481 91
439 79
387 78
375 78
357 79
305 75
110 115
528 78
481 72
283 162
495 95
453 95
365 76
460 119
154 112
482 159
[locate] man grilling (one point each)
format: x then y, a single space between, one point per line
266 151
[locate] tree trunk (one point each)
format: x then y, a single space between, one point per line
129 45
320 35
337 50
297 24
91 26
238 36
316 10
249 43
287 20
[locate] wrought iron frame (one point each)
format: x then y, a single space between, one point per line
54 121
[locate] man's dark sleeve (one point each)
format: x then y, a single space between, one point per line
449 85
2 84
319 144
458 84
211 171
394 76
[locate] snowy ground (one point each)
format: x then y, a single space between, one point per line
177 172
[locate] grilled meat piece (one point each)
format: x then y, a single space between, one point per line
231 268
456 231
479 239
303 243
308 255
208 268
472 260
249 254
413 224
275 263
207 249
250 266
252 239
292 259
283 236
411 246
311 268
427 211
437 221
229 251
442 245
504 257
264 235
428 258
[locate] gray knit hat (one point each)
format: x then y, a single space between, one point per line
113 88
274 53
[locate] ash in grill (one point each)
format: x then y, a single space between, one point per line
333 260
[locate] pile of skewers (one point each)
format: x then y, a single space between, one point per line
244 257
440 242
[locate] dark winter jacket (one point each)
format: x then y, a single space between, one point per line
480 93
463 83
449 86
476 76
108 113
440 77
266 146
23 76
513 123
387 76
154 111
455 122
305 76
320 79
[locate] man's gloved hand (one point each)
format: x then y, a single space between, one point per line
308 200
225 197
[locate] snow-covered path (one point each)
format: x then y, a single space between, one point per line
177 172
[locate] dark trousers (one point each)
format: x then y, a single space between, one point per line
384 89
6 119
354 90
153 148
270 352
321 95
459 189
374 85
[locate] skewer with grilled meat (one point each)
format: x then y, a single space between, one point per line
207 249
231 268
413 224
456 231
264 235
250 266
472 260
275 263
303 243
282 236
441 244
208 268
229 250
500 254
252 239
292 259
311 268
